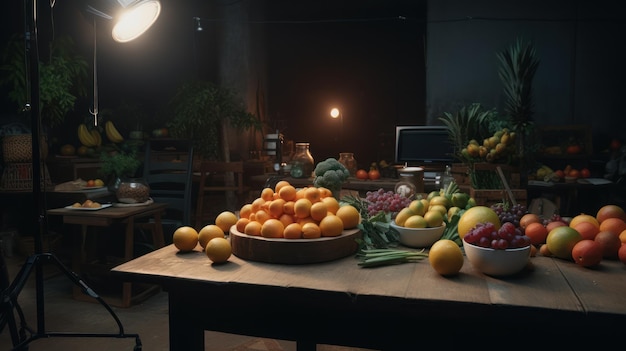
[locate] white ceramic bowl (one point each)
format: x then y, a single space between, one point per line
418 237
497 262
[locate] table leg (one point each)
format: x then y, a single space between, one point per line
186 334
128 255
78 256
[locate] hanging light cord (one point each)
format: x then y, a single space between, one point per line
94 112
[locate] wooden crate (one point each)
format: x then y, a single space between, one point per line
488 197
461 173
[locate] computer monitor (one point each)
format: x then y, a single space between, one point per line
423 145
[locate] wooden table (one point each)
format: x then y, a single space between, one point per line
401 307
105 218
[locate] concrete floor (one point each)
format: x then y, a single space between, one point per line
149 319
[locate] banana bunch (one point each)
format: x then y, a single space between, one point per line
112 133
89 138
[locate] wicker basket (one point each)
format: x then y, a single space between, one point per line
19 148
19 176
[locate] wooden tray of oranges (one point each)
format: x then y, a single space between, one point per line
293 251
295 226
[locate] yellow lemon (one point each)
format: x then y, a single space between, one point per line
415 221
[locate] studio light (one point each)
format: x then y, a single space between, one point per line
131 17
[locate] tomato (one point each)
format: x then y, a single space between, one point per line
362 174
585 173
574 149
615 144
373 174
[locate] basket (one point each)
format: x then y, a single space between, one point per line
18 148
19 176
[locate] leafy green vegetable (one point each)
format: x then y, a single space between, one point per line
381 257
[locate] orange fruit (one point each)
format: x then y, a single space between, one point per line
267 194
241 224
312 194
310 230
555 224
319 210
324 192
537 233
475 215
584 218
304 220
253 228
209 232
331 204
587 230
287 192
245 211
302 208
225 220
446 257
529 218
286 219
293 231
561 241
613 225
280 184
272 228
622 237
185 238
218 250
257 204
610 211
331 226
276 207
261 216
288 207
349 215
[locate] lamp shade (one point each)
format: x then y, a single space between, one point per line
131 18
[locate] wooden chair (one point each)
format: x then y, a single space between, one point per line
168 170
222 177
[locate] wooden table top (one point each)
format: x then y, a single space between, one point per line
113 212
548 284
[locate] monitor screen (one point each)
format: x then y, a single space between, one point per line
419 145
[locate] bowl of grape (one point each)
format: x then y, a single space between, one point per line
497 251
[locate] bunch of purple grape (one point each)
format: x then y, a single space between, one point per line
507 237
510 213
554 218
387 201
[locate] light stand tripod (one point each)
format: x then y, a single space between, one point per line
8 302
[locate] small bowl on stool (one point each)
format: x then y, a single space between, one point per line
418 237
495 262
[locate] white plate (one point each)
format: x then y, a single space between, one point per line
88 208
88 188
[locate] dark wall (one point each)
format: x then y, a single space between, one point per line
579 45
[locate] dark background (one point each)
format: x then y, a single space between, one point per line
384 63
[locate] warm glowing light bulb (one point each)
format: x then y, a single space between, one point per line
137 20
334 113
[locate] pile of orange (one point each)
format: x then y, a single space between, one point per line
290 213
607 228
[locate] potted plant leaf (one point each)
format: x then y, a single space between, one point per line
203 112
62 77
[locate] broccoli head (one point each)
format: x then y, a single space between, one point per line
330 174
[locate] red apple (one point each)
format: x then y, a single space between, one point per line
587 253
610 243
